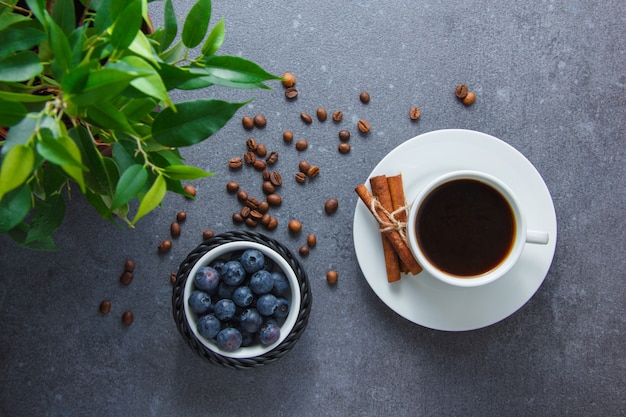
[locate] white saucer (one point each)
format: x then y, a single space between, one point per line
425 300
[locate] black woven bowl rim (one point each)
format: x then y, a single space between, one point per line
178 300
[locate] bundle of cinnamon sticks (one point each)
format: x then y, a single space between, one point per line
387 204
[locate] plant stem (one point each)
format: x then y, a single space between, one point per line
17 8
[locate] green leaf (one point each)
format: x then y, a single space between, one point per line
24 98
196 23
47 216
103 17
151 199
174 54
123 155
38 8
61 49
14 207
17 166
148 82
215 39
101 85
107 116
11 113
64 16
129 185
137 109
185 172
20 67
21 36
97 178
9 18
127 24
237 69
59 150
20 233
193 122
141 46
171 26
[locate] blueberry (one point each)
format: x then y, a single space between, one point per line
199 302
224 309
267 304
209 326
247 339
229 339
242 296
225 291
233 273
250 320
206 279
282 308
261 282
269 333
281 284
252 260
218 265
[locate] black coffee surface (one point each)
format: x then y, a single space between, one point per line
465 227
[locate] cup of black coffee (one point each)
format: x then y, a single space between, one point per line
467 228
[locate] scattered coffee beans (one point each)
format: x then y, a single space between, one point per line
129 265
251 144
302 144
105 307
175 229
259 165
272 224
311 240
190 189
232 186
337 115
331 205
272 158
237 218
263 207
301 177
291 93
249 157
331 277
250 222
268 187
276 179
289 80
126 278
247 122
461 91
306 118
173 278
469 99
242 196
304 251
344 135
415 113
294 226
208 234
274 199
165 246
288 136
128 318
364 97
322 114
259 121
261 150
313 172
363 126
304 166
344 148
181 216
235 163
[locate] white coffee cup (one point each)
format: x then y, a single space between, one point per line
466 242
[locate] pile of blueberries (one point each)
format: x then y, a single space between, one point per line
241 301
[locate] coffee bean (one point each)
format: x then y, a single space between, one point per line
263 207
274 199
313 172
344 148
363 126
302 144
415 113
364 97
331 277
105 307
331 205
306 118
272 158
461 91
322 114
249 157
311 240
291 93
304 251
252 202
289 80
126 277
259 165
265 220
190 189
337 115
242 196
288 136
247 122
469 99
237 218
181 216
235 163
261 150
251 144
208 234
232 186
272 224
276 178
250 222
244 212
301 177
259 121
256 215
294 226
128 318
304 166
265 174
173 278
129 265
165 246
268 187
175 229
344 135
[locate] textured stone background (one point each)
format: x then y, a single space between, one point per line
549 77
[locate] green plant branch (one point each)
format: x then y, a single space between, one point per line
17 8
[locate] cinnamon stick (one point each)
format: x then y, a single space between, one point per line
392 235
380 190
398 201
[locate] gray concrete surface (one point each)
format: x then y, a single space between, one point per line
549 77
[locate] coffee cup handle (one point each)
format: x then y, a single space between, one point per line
538 237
